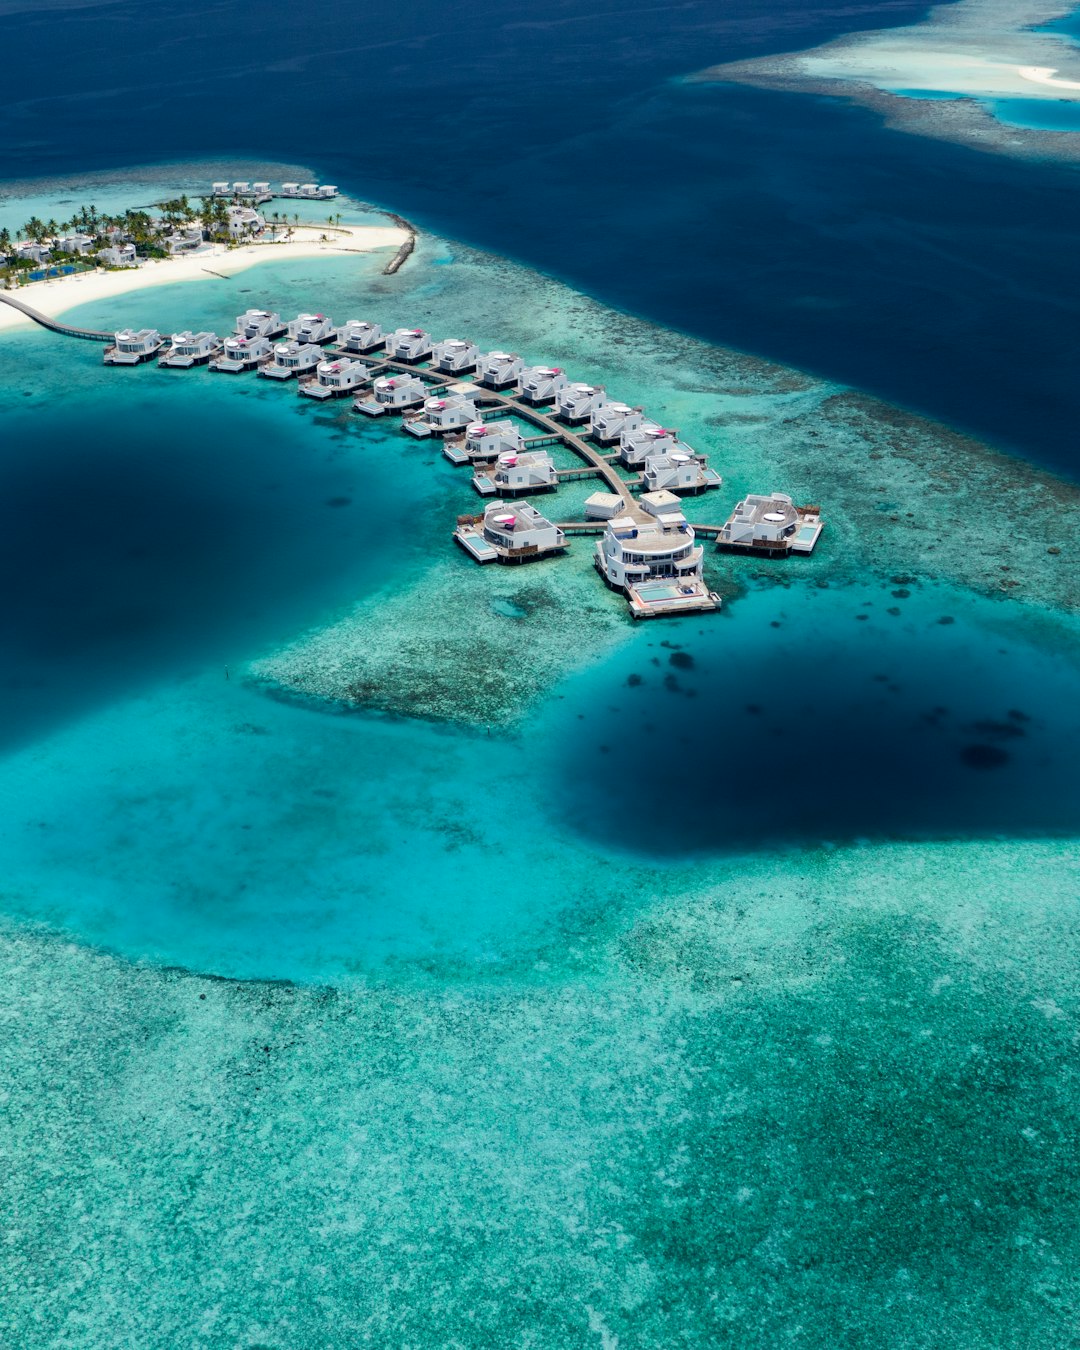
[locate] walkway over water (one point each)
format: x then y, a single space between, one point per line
68 330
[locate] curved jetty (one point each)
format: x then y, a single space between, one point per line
54 325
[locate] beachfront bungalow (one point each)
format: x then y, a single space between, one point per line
489 440
243 353
653 559
262 323
187 239
771 525
509 534
119 255
392 393
131 346
636 444
189 349
292 359
499 370
408 344
576 403
514 475
335 379
360 336
541 384
312 328
679 472
244 221
77 245
608 422
454 356
442 416
35 253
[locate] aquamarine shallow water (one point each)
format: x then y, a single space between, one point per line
593 1036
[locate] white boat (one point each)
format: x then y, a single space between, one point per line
360 336
486 441
442 416
576 403
541 384
771 525
292 359
509 534
454 356
312 328
262 323
408 344
514 475
131 346
392 393
636 444
243 353
654 560
189 349
499 370
335 379
608 422
679 472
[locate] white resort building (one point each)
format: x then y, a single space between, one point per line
130 347
312 328
541 384
335 379
76 245
679 472
292 359
244 221
654 559
189 349
243 353
489 440
509 534
576 403
360 336
610 420
392 393
409 345
772 525
262 323
188 239
515 475
119 255
636 444
499 370
441 416
454 356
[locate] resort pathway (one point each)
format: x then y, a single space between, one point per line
91 334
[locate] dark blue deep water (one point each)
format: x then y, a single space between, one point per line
794 227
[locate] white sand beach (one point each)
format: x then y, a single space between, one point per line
55 296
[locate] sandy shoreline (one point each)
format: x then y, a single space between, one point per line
60 294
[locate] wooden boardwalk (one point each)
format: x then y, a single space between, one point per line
54 325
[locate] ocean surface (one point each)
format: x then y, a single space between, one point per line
402 953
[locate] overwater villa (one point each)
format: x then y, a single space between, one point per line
771 525
454 356
541 384
221 189
335 379
241 189
509 535
262 323
290 189
307 328
679 472
636 444
360 336
442 416
610 420
514 475
485 441
576 403
292 359
499 370
131 346
654 560
409 345
392 393
189 349
243 353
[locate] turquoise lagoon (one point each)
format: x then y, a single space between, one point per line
403 953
